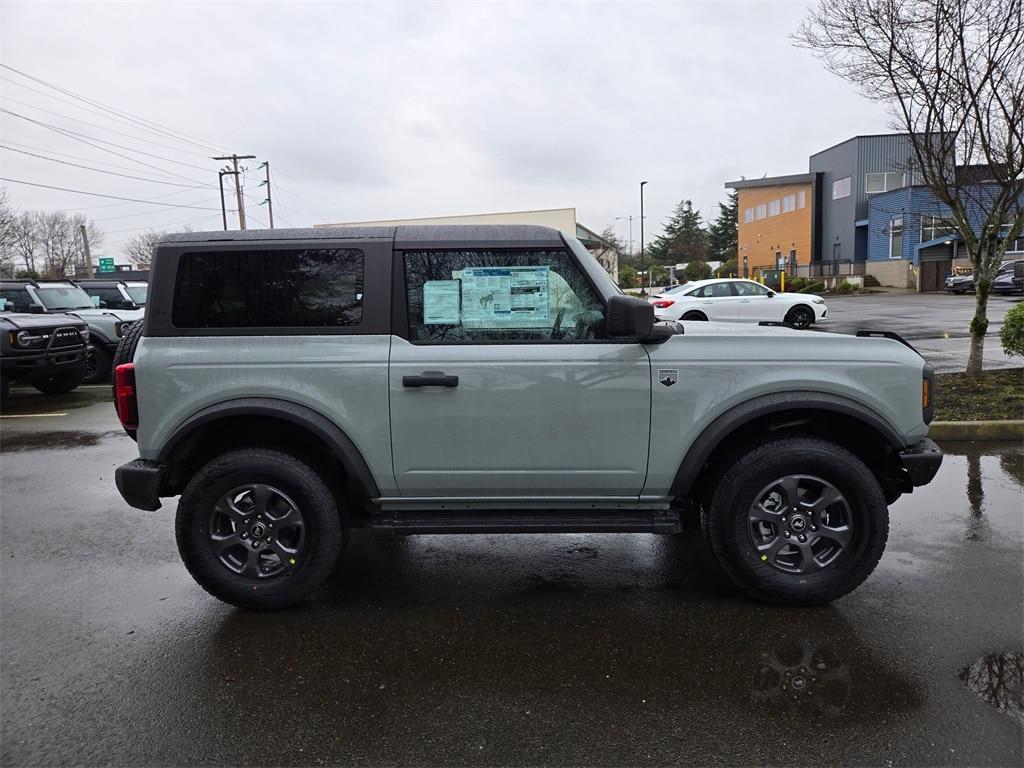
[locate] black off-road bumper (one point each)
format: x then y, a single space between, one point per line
42 364
139 483
922 461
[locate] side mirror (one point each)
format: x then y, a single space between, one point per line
771 294
629 318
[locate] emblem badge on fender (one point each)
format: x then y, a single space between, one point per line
668 376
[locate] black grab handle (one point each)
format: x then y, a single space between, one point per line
430 379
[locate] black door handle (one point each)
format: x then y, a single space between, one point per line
431 379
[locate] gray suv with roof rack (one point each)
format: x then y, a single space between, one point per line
115 294
292 385
106 326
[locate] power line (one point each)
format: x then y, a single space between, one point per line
167 224
142 213
100 170
148 199
67 154
103 128
148 124
98 194
78 137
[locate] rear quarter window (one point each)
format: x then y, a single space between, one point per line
311 288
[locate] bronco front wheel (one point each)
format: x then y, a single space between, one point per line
797 521
258 528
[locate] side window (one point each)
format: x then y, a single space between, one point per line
468 296
312 288
743 288
718 291
17 299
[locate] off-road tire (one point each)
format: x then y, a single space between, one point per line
725 520
59 385
694 315
100 365
125 353
326 535
800 317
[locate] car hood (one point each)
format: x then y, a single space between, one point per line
798 296
24 321
124 315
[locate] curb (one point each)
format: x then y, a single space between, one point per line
976 430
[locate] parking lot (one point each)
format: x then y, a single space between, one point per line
529 650
936 323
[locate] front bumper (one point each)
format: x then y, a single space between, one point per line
139 482
43 364
922 461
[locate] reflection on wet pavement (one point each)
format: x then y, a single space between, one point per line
998 679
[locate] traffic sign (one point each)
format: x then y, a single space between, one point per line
106 265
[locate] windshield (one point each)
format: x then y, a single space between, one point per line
138 293
63 297
677 289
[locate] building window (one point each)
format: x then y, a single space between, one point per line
896 237
762 211
774 207
789 203
779 263
748 215
841 188
801 199
933 227
882 182
792 258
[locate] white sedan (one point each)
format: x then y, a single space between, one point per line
738 301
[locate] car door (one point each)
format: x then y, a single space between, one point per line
718 302
757 303
501 384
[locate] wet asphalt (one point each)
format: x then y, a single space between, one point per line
494 650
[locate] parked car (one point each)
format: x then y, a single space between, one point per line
291 385
1010 279
738 300
46 351
106 326
1003 282
960 284
115 294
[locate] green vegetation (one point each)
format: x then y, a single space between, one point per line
1012 333
697 270
804 285
992 395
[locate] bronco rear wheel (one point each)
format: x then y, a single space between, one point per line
258 528
797 521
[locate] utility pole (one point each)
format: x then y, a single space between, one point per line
223 210
268 201
238 184
642 235
88 253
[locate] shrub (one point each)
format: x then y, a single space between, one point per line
843 287
796 284
697 270
1012 333
728 269
813 286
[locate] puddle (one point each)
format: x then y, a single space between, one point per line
998 679
35 441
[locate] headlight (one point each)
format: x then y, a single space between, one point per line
84 333
817 301
117 329
24 338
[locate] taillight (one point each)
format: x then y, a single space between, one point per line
125 396
662 303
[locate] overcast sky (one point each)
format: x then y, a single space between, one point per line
392 110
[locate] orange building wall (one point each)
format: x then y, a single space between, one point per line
761 238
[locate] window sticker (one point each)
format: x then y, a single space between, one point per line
441 302
504 297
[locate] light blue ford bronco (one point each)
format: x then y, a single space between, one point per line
292 385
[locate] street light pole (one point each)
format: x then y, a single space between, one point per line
642 183
630 218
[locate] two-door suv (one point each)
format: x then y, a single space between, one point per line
291 385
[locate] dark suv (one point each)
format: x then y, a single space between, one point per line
115 294
47 351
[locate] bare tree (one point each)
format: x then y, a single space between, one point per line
25 242
952 75
139 248
8 229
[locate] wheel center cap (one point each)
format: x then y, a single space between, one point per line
797 523
257 530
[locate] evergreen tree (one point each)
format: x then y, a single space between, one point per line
684 238
723 236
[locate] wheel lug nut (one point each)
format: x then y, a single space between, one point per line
785 519
803 538
786 534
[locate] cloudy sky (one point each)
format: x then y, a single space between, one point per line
394 110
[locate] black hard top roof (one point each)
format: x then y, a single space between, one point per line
417 236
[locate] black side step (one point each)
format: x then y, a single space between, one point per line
526 521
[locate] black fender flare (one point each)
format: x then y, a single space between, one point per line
300 415
734 418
